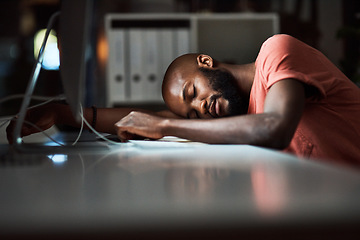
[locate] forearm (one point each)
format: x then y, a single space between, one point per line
258 129
105 117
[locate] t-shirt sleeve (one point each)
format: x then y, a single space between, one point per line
284 57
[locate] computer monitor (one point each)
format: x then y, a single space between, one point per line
75 50
74 37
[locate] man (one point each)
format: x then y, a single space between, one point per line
292 98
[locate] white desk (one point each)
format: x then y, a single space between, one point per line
199 191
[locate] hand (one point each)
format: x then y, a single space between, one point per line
43 117
139 124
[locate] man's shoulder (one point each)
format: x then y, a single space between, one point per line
283 36
274 47
280 45
280 40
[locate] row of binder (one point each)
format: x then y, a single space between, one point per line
138 59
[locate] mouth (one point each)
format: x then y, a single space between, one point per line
213 108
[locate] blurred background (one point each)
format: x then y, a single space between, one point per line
332 26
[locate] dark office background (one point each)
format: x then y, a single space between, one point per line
320 23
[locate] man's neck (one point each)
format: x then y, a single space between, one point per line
244 75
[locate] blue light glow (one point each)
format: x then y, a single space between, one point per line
58 159
51 59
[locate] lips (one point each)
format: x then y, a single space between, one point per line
213 108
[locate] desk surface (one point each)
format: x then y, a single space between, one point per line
204 188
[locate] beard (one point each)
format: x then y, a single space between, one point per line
225 83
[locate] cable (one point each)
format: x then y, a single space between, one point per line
60 97
97 133
43 132
34 97
81 127
9 118
6 120
40 104
48 100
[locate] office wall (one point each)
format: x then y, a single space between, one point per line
330 21
313 21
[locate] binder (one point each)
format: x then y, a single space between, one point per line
151 59
116 80
136 70
182 39
166 53
140 52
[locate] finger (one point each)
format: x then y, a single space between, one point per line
126 136
121 131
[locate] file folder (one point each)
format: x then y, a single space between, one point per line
116 89
182 39
166 52
151 85
136 68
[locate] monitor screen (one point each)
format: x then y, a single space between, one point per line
74 48
74 40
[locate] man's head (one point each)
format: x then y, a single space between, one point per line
194 88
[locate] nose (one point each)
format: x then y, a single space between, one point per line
199 105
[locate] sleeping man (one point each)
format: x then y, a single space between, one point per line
291 98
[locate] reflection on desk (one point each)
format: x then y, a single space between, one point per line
198 191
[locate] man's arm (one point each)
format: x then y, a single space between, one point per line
274 128
46 116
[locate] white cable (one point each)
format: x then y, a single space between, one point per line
34 126
9 118
98 134
43 132
34 97
81 127
80 131
5 120
46 102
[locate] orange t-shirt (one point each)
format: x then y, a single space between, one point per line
329 128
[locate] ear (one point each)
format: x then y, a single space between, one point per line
205 61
